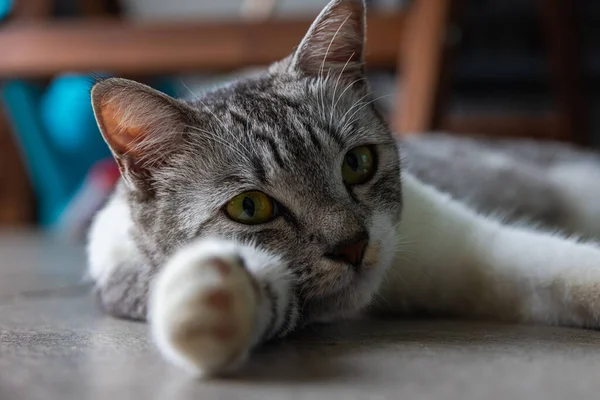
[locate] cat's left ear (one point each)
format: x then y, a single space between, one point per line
335 41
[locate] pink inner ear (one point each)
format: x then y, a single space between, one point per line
121 138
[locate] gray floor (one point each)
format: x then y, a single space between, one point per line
54 344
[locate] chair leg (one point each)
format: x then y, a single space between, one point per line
560 28
16 196
422 67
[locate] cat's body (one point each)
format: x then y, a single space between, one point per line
278 201
546 184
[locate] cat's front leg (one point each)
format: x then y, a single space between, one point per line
215 300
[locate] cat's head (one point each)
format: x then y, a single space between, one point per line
297 161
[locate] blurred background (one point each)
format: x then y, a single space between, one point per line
517 68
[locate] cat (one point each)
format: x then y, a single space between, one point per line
279 201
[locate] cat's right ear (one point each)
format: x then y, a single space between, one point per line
333 44
142 126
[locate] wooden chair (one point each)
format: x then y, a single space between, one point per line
566 121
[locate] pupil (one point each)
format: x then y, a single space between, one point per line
352 161
248 206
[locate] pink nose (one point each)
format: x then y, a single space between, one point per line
350 251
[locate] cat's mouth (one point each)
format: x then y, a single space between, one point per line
350 252
343 276
365 260
351 287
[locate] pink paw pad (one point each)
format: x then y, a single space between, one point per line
224 332
221 266
219 299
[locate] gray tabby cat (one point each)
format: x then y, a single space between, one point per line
278 201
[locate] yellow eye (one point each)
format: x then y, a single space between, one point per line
359 165
251 208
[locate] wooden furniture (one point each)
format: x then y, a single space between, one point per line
16 198
415 39
423 63
424 60
42 49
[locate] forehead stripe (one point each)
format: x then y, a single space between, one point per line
273 149
313 136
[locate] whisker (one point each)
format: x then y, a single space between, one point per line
333 102
206 107
352 107
330 43
344 91
360 108
213 136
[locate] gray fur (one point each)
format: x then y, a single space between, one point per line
517 189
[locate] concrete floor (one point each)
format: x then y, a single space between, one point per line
54 344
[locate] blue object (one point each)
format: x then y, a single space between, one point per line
57 134
54 179
67 116
5 7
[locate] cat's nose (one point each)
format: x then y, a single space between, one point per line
350 251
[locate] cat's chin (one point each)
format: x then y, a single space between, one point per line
367 279
347 302
353 297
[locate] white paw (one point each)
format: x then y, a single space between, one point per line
203 308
